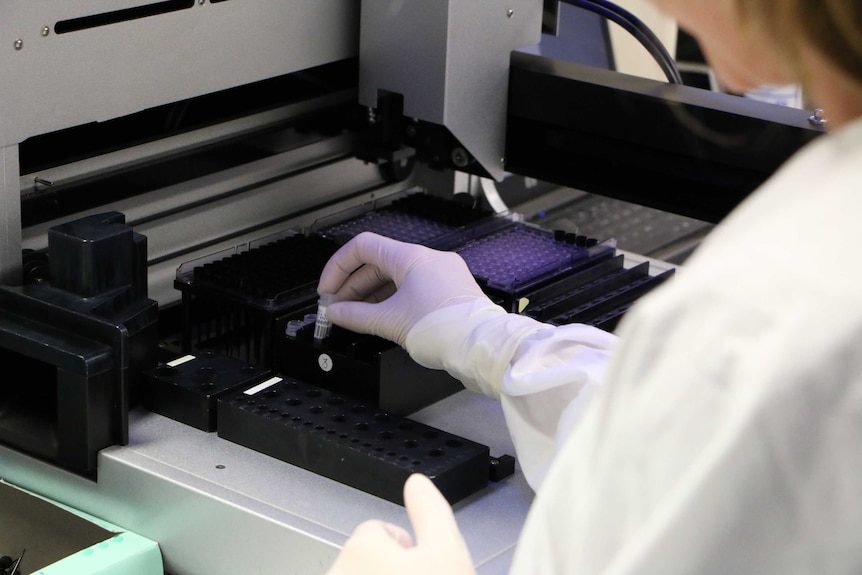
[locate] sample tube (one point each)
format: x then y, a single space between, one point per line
323 326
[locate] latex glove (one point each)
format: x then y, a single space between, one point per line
380 548
384 286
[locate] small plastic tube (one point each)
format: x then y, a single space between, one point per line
293 328
323 326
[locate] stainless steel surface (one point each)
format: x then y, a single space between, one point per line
219 508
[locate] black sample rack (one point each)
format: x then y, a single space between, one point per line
349 441
230 304
367 367
336 435
187 388
599 295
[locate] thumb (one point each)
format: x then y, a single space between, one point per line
380 319
353 315
430 513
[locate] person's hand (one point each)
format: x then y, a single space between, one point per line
384 286
380 548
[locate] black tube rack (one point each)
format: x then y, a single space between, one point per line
349 441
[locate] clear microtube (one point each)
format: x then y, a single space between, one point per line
323 326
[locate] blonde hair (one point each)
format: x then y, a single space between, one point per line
834 27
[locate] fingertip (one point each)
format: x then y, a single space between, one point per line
420 492
415 479
430 513
419 485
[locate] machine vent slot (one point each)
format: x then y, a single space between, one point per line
117 16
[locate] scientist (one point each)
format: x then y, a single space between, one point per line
720 433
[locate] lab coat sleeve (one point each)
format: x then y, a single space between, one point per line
543 375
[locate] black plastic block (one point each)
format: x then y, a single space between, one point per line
231 304
350 442
369 368
98 255
79 341
501 467
187 388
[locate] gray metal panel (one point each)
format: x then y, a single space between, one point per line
450 61
53 81
218 508
10 216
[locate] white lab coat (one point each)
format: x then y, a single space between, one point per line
727 435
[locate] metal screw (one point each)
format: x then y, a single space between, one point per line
460 157
817 119
503 161
45 30
510 13
19 43
372 116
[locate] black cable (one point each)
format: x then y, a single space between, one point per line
634 26
644 35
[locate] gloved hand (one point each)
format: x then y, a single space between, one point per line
384 286
379 548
